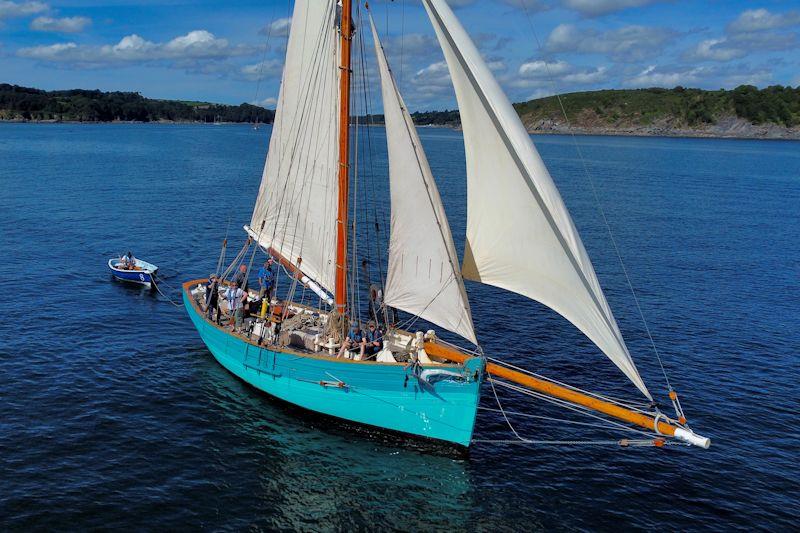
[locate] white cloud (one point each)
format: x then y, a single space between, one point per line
653 77
269 102
435 74
565 77
761 19
626 44
61 25
539 93
268 68
595 8
587 77
752 31
496 65
715 50
277 28
10 9
195 45
540 69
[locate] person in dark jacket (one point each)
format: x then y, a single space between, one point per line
373 338
240 278
212 298
355 340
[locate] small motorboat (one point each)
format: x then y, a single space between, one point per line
141 273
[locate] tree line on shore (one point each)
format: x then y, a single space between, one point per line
78 105
682 106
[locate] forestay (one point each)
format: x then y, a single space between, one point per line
423 276
519 234
297 197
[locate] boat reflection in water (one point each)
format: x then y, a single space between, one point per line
311 466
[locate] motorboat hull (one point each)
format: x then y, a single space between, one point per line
142 276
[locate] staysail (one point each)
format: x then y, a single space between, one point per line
295 213
520 235
423 276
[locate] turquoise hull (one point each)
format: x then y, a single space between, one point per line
386 396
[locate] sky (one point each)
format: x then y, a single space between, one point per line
232 52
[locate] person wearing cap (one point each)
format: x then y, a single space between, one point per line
373 339
212 297
355 338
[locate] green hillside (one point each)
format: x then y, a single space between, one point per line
23 103
690 107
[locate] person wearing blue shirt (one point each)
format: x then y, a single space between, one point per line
266 279
373 338
355 338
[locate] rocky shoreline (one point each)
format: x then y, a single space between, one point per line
725 128
728 128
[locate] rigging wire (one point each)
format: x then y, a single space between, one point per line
634 406
378 225
263 59
597 198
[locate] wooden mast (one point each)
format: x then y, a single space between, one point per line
345 38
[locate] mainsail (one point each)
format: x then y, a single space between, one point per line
519 233
295 213
423 276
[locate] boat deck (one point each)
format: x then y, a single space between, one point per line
304 330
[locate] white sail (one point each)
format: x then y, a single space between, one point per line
297 198
519 234
423 276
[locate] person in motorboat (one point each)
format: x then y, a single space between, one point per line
212 298
241 277
373 339
266 279
355 340
235 297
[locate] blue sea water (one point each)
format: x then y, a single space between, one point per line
114 414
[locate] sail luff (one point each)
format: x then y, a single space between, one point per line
432 287
519 233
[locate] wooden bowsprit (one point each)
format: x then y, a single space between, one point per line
658 423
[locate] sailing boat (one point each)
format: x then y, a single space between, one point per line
417 383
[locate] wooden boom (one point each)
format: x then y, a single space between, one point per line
577 398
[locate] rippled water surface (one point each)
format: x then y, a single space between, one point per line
114 414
